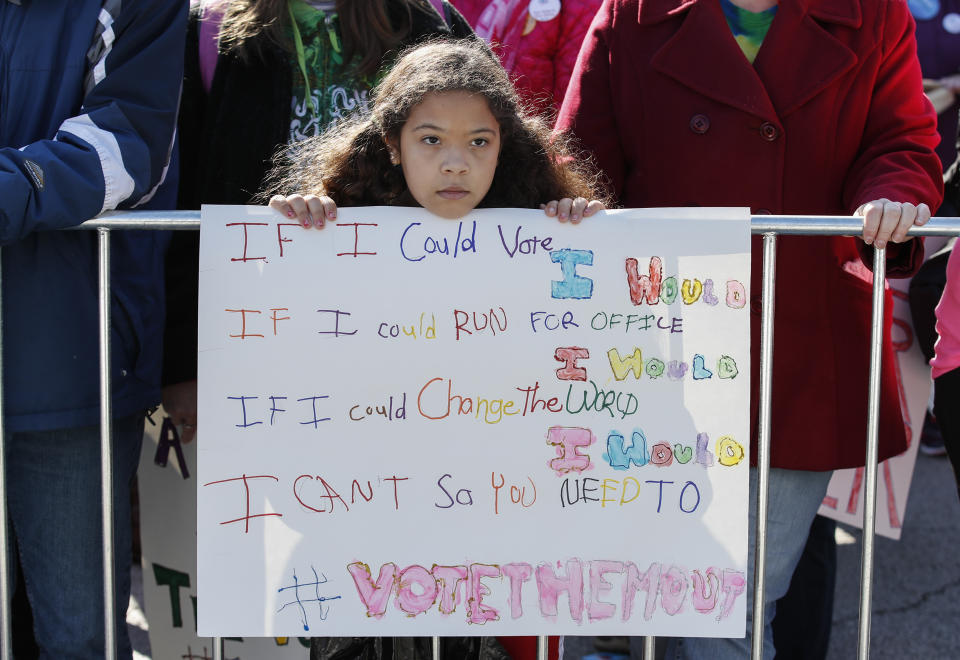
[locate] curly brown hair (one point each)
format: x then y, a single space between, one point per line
351 162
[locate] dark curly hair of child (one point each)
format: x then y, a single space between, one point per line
351 163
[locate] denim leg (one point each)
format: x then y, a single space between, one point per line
801 628
53 482
794 498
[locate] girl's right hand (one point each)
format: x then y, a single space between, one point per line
307 209
573 210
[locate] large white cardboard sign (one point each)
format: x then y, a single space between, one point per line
502 425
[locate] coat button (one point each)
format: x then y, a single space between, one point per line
699 124
756 304
762 212
769 132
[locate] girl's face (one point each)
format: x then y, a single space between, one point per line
448 149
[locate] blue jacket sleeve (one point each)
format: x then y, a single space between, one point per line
115 150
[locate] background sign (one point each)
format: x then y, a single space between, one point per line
844 500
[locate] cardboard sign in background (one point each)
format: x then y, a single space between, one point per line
844 500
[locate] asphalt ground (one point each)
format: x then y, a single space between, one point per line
916 580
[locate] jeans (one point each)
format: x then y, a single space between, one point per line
801 628
794 499
54 505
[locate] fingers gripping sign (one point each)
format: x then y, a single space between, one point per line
309 210
573 210
315 210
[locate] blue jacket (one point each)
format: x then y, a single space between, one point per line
88 104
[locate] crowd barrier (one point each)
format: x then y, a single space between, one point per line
769 226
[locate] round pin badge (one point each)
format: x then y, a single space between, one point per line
951 23
924 10
544 10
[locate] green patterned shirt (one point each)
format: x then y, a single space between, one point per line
749 28
336 91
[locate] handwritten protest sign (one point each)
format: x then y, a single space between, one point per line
497 426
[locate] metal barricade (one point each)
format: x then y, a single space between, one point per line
769 226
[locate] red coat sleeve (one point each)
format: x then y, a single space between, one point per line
897 159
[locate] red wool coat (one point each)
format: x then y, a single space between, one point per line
830 116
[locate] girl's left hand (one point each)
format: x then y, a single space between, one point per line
573 210
307 209
885 221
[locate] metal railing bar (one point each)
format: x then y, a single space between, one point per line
106 452
6 644
818 225
870 478
543 647
218 648
769 275
435 644
649 648
796 225
174 220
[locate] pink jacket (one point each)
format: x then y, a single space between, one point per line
947 349
539 55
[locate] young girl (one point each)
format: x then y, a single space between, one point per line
445 132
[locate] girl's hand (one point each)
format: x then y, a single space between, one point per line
885 221
573 210
307 209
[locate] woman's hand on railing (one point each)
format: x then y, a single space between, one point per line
887 221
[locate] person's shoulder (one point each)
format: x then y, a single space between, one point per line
642 11
876 22
891 18
459 26
426 21
424 11
133 16
856 11
581 9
